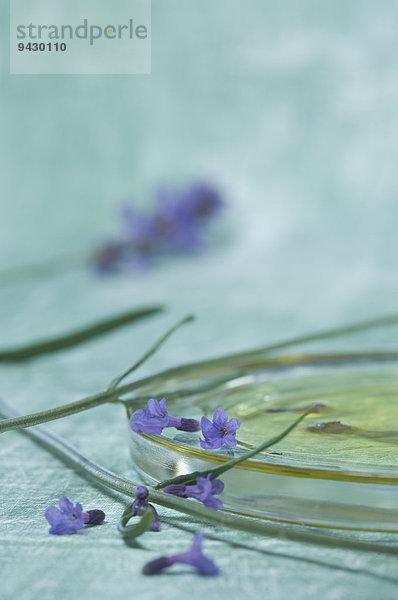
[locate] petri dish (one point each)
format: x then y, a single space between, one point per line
338 469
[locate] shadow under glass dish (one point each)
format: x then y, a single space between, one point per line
337 469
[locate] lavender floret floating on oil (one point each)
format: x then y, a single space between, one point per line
220 432
155 418
178 225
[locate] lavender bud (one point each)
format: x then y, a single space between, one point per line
189 425
155 523
155 566
141 492
177 489
95 516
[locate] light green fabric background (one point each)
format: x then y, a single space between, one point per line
291 108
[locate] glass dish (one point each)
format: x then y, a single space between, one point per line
337 469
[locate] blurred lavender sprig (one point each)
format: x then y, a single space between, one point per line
177 225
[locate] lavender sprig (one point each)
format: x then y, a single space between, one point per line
177 225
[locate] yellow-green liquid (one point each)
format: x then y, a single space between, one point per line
366 401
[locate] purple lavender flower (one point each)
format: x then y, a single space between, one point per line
193 557
219 432
140 233
66 519
141 503
175 229
202 201
155 418
69 518
177 225
152 419
204 491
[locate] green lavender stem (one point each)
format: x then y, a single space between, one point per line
330 333
57 445
133 531
59 412
116 382
76 337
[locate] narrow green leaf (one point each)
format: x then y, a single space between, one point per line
141 526
190 478
127 514
76 337
115 382
327 334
